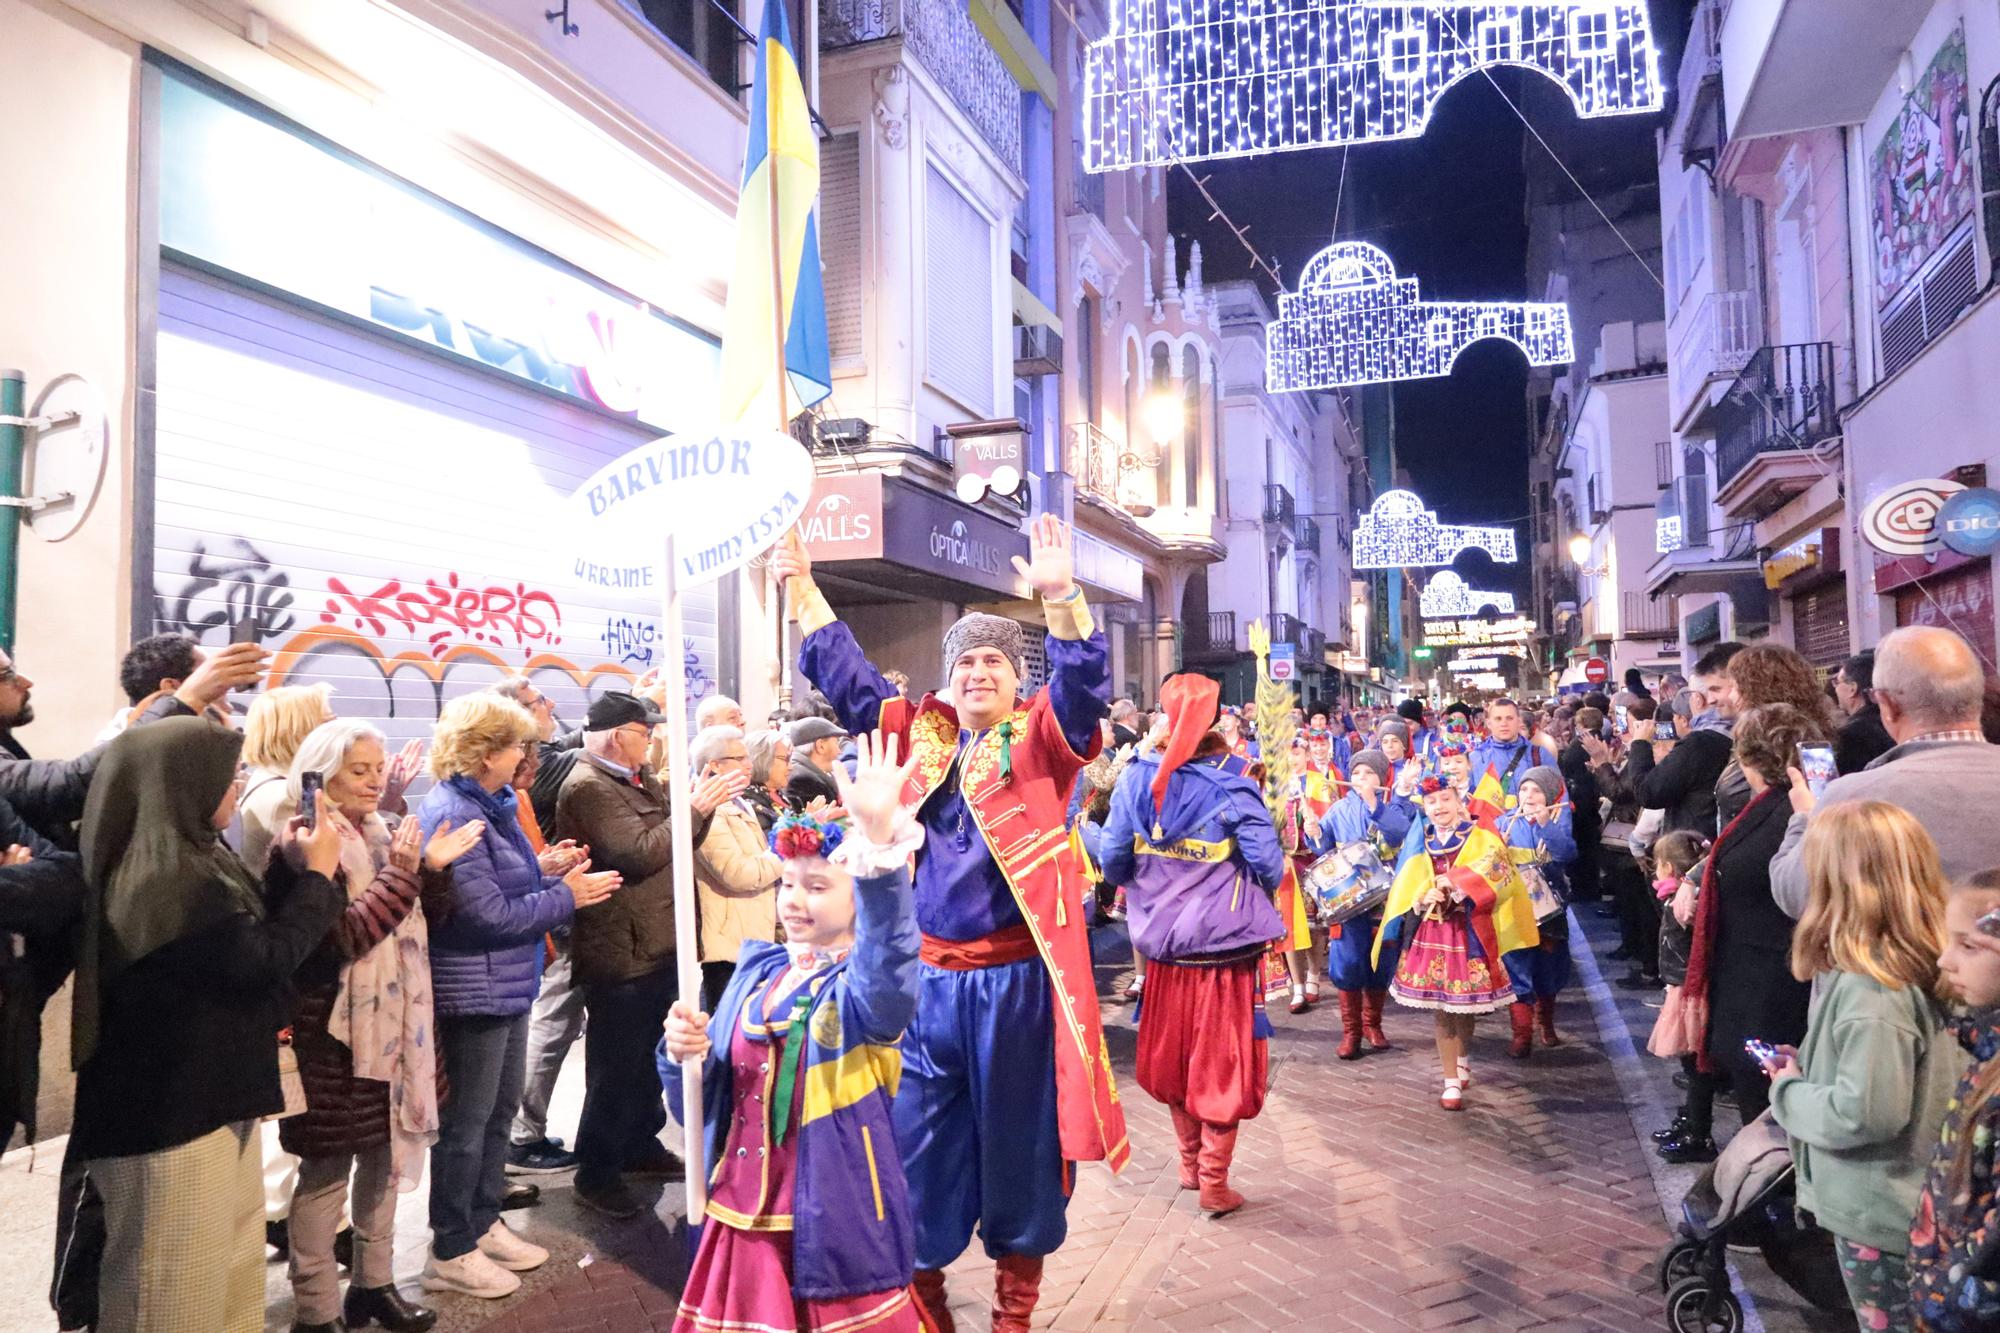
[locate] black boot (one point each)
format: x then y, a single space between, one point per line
278 1235
386 1306
1680 1126
343 1248
1688 1149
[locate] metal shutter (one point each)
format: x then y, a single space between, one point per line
840 242
1961 600
394 519
959 327
1819 625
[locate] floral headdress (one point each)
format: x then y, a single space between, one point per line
796 835
1447 749
1433 784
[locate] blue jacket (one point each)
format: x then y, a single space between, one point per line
851 1231
1183 867
1500 756
1556 837
486 955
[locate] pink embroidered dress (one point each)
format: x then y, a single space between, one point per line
1444 966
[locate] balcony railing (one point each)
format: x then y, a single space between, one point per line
1307 538
1641 617
1105 470
1089 191
1720 339
1783 400
942 35
1279 510
1212 639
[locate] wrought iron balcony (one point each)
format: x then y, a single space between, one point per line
1308 536
1106 471
1286 628
942 35
1211 640
1279 511
1783 400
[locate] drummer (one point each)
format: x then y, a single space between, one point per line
1311 793
1368 812
1539 833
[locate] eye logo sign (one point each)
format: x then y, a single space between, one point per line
1903 520
1969 522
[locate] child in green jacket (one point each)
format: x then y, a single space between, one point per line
1864 1099
1955 1239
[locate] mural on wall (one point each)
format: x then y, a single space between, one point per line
1922 174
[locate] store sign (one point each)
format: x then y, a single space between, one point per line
725 496
1596 671
988 456
844 519
1471 632
1473 664
1102 565
247 195
1903 519
1969 522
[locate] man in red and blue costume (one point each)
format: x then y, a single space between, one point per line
1006 1078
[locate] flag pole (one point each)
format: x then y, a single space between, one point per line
780 676
687 962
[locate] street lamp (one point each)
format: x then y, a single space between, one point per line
1579 554
1164 415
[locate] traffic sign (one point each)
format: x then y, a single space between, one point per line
1596 671
1284 661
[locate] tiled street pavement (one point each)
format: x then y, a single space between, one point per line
1370 1208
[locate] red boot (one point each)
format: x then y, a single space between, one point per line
1545 1010
1371 1019
1187 1129
1017 1284
933 1305
1218 1146
1350 1025
1524 1029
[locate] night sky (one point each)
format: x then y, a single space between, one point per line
1449 208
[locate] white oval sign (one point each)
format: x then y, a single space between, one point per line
725 496
1903 519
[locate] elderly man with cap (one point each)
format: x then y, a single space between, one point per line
1368 813
815 746
1006 1080
622 949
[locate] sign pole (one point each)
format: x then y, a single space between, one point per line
687 963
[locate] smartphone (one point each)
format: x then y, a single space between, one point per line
311 783
1816 762
244 630
1664 731
1624 718
1763 1052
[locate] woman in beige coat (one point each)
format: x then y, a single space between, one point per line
736 872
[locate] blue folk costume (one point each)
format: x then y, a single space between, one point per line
1363 984
1005 1078
1199 857
1540 973
1508 762
808 1223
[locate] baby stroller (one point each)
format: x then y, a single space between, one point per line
1746 1201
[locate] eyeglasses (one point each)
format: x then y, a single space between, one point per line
539 701
637 729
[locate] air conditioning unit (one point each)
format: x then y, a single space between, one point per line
1038 350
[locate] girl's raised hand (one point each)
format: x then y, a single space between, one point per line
874 796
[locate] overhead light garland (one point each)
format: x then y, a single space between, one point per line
1397 532
1192 80
1447 595
1353 321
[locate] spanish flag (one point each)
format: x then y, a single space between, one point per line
1488 801
781 182
1498 909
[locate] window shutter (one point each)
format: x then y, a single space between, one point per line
840 243
959 323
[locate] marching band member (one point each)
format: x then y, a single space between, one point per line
1369 812
1183 833
1538 830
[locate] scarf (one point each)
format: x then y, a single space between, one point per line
500 810
1707 912
155 870
382 1012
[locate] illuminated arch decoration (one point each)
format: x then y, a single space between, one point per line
1397 532
1353 321
1447 595
1192 80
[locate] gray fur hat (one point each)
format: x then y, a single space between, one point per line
1373 759
1394 727
976 629
1550 781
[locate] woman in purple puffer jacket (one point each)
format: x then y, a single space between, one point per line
486 965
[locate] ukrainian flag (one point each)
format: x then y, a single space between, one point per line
781 176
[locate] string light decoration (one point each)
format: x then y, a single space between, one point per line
1353 321
1473 664
1397 532
1194 80
1447 595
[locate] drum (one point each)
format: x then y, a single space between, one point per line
1348 882
1547 903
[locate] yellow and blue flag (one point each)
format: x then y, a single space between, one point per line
781 176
